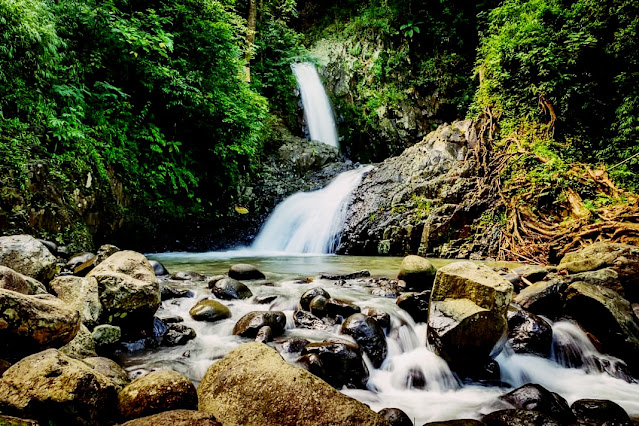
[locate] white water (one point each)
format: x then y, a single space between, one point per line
317 108
310 222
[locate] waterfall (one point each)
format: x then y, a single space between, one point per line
317 108
310 222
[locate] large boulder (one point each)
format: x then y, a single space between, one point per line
31 323
161 390
28 256
528 333
337 361
109 369
249 325
230 289
82 346
253 385
209 310
417 272
467 313
543 297
81 294
129 291
536 397
416 304
368 335
596 412
244 271
176 418
622 258
515 417
12 280
608 316
53 388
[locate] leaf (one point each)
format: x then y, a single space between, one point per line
241 210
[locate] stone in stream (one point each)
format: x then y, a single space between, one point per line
417 272
294 345
209 310
105 335
467 314
175 418
351 276
264 335
416 304
230 289
15 281
187 276
81 294
309 321
309 295
337 361
157 391
244 271
318 306
109 369
51 387
158 268
528 333
267 390
543 298
368 335
396 417
28 256
536 397
178 334
382 318
250 324
514 417
595 412
337 308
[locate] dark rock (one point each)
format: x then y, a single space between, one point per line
600 412
158 330
264 335
340 361
368 335
175 418
250 324
294 345
16 421
537 398
263 300
341 308
543 298
178 334
318 306
417 272
382 318
351 276
158 268
534 273
84 268
519 418
309 321
309 295
4 365
606 277
209 310
487 373
230 289
396 417
528 333
168 291
215 279
78 259
172 319
416 304
244 271
460 422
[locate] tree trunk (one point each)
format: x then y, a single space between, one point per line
250 36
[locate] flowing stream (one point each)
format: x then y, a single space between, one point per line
439 396
317 108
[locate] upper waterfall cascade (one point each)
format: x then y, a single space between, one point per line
318 112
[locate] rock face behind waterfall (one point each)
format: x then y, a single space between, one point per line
411 203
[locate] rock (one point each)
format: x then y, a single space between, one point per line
158 268
351 276
106 335
4 365
244 271
622 258
28 256
528 333
81 294
79 259
416 304
159 329
336 308
518 418
340 363
158 391
250 324
175 418
169 291
382 318
30 324
209 310
264 335
600 412
485 372
460 422
543 298
533 273
15 281
264 300
51 387
294 345
309 321
187 276
396 417
84 268
230 289
16 421
318 306
109 369
129 291
215 279
104 252
417 272
82 345
608 316
537 398
467 313
368 335
268 390
309 295
606 277
178 334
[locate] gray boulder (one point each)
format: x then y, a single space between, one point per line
109 369
175 418
28 256
368 335
417 272
81 294
82 346
12 280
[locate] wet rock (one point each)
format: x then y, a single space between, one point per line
518 418
175 418
340 363
543 298
264 300
268 390
351 276
31 323
81 294
486 373
28 256
318 306
109 369
417 272
309 321
172 291
467 313
336 308
395 417
309 295
416 304
294 345
608 316
368 335
79 259
178 334
15 281
209 310
16 421
51 387
382 318
537 398
250 324
264 335
231 289
244 271
82 345
158 330
106 335
600 412
187 276
215 279
528 333
460 422
84 268
158 268
158 391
